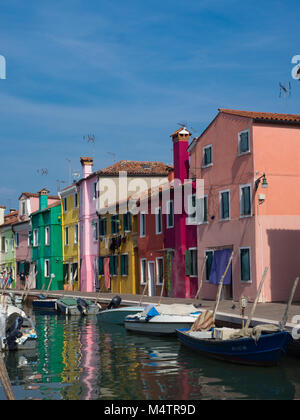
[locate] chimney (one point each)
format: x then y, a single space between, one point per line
87 166
43 199
181 140
2 212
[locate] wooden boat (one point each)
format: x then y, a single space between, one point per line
76 307
266 351
48 304
162 320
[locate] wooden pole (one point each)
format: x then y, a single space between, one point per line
144 291
6 381
220 287
283 322
201 278
257 297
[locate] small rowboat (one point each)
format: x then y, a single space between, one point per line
76 307
266 351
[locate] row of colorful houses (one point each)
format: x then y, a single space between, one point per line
144 227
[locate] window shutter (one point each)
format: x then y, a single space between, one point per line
122 265
188 263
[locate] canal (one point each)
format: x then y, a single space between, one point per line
79 359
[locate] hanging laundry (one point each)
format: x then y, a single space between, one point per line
219 265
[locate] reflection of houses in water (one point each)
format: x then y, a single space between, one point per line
89 361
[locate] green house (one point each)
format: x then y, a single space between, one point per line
46 244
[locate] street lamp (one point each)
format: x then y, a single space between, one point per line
264 182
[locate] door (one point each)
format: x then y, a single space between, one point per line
151 277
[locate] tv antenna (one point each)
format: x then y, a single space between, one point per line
59 182
76 176
91 139
188 126
285 90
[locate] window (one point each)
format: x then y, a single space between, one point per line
95 230
65 204
160 270
115 224
143 271
47 235
246 200
127 224
101 266
124 265
17 239
203 210
35 237
158 220
66 236
95 190
113 265
207 156
75 200
245 262
192 211
210 256
23 208
170 214
3 244
142 225
103 226
76 233
244 143
224 205
47 268
191 262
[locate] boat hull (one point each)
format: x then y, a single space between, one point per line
267 351
160 325
117 316
44 304
69 307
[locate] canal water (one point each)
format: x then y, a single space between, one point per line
79 359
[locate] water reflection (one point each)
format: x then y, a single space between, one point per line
77 358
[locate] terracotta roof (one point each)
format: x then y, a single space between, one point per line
137 168
263 116
10 218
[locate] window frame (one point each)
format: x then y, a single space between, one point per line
242 187
192 267
239 142
144 276
250 264
206 251
47 275
207 165
143 223
158 283
158 221
47 235
221 206
169 214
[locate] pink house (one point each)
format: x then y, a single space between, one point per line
28 204
250 163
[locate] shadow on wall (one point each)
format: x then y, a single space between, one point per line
284 263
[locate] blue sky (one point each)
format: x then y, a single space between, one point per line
128 72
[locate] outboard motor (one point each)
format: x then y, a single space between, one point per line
13 327
82 306
115 303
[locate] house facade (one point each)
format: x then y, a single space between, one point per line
250 165
7 238
99 191
46 244
70 236
28 204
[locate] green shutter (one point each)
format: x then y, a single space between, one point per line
101 266
188 263
245 265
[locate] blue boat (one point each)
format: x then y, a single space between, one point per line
266 351
48 304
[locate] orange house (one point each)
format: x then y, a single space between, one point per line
250 163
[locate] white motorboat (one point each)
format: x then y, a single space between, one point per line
162 319
113 314
17 331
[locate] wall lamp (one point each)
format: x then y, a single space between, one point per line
264 182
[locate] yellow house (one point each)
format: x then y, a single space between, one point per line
118 262
70 236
